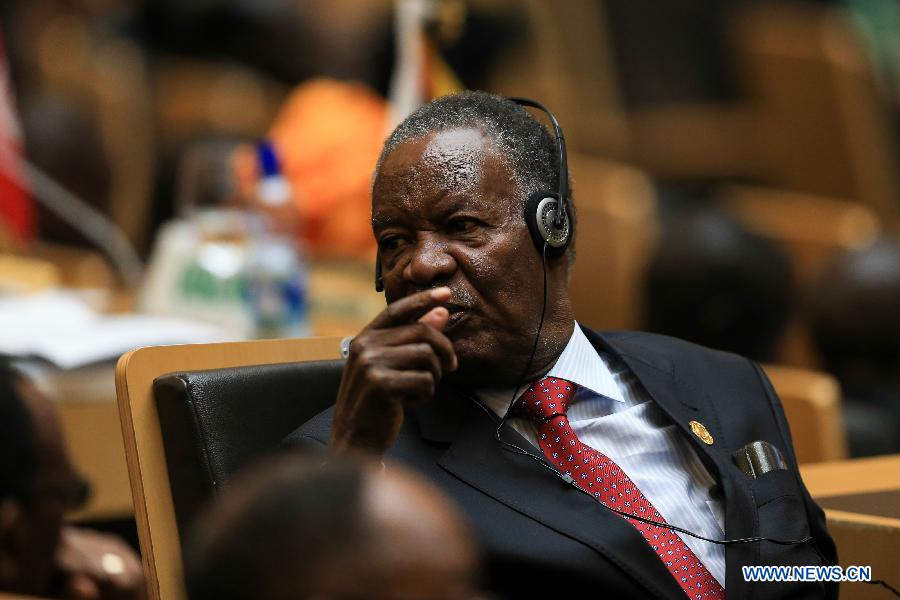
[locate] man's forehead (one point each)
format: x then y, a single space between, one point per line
457 145
433 176
446 151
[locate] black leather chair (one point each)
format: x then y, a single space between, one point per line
216 421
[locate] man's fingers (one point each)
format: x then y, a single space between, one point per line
99 565
407 334
436 317
82 587
408 309
412 357
409 387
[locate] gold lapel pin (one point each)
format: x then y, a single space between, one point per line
701 432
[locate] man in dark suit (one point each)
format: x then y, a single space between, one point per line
575 454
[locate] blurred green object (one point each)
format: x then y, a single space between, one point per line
878 22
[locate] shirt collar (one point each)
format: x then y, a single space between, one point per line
579 363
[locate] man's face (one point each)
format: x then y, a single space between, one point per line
54 492
446 210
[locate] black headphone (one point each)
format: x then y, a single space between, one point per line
547 213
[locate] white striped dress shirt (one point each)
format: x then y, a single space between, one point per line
611 412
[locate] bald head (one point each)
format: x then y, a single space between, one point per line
293 529
855 318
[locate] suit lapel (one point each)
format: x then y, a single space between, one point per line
525 485
684 402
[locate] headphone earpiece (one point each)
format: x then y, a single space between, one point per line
548 223
541 217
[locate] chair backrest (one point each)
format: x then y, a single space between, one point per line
810 228
825 124
136 371
618 226
216 421
812 405
565 59
860 498
869 540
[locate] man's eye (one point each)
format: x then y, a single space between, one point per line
462 225
391 243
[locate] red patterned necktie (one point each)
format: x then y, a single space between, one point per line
546 403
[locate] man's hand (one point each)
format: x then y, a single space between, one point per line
97 566
396 361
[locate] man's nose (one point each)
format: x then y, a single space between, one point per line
430 263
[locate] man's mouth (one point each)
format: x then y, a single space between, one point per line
457 314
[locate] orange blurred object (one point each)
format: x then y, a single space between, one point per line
328 136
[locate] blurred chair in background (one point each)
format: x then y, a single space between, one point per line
564 59
714 283
799 106
671 53
812 405
824 119
619 226
810 229
294 528
855 318
39 553
783 94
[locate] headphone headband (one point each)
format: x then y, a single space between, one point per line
563 157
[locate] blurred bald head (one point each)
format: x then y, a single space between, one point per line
855 315
294 529
713 282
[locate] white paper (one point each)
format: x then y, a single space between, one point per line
60 328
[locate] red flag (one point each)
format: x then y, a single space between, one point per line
16 209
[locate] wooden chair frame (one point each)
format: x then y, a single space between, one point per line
812 404
862 539
144 453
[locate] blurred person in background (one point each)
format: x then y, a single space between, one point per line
39 553
297 529
855 318
713 282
